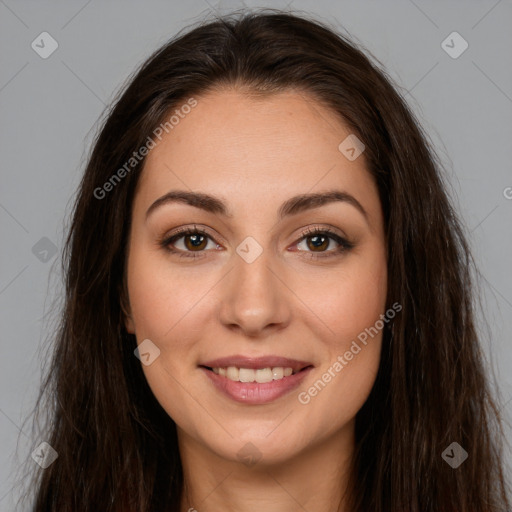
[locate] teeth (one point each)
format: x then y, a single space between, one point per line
233 373
260 375
277 373
263 375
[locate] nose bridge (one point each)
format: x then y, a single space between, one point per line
253 298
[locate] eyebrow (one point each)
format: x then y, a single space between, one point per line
292 206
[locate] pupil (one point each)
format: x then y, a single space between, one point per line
318 241
196 240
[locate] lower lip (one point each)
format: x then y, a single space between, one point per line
255 393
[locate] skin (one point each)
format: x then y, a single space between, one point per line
254 154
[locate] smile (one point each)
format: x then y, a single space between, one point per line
255 381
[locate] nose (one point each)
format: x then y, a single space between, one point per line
254 300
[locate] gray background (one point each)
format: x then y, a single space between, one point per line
49 107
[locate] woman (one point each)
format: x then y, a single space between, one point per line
268 296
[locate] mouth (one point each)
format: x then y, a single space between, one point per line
255 380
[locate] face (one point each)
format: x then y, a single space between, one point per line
283 270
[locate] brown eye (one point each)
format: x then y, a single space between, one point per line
195 242
190 242
317 242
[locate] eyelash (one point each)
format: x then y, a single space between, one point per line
344 244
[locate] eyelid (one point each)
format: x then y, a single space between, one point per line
187 230
321 228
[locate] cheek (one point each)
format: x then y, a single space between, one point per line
346 302
361 298
163 298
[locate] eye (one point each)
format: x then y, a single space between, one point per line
188 241
318 240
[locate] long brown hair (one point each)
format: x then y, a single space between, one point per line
118 448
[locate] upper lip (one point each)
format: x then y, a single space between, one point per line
257 362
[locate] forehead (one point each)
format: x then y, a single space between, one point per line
252 148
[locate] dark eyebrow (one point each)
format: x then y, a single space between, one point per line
292 206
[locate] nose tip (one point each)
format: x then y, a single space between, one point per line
253 299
